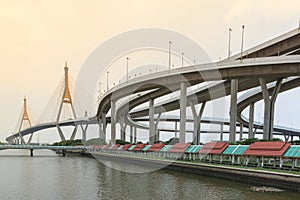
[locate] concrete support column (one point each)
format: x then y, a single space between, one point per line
102 127
104 124
221 132
241 131
151 122
84 130
131 134
286 137
176 129
269 107
233 109
30 138
135 135
156 138
122 129
251 120
158 135
183 92
197 122
113 122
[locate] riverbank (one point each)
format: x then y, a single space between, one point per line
256 177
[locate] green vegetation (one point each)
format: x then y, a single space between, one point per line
172 141
122 142
95 141
68 143
296 142
252 140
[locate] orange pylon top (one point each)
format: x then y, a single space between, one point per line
25 112
67 94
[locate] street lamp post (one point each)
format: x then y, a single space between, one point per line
229 42
127 73
182 54
242 44
100 89
170 43
107 72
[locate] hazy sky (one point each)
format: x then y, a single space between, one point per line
38 36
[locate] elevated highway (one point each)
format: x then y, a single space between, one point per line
272 61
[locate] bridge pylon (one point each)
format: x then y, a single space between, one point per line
66 99
25 118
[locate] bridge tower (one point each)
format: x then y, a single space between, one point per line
25 118
66 99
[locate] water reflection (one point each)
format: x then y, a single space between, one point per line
54 177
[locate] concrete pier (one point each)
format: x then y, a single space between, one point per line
251 120
269 106
151 122
183 92
113 122
233 110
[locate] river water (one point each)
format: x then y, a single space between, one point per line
48 176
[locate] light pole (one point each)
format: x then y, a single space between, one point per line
229 42
107 72
182 54
242 44
127 59
170 43
100 89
